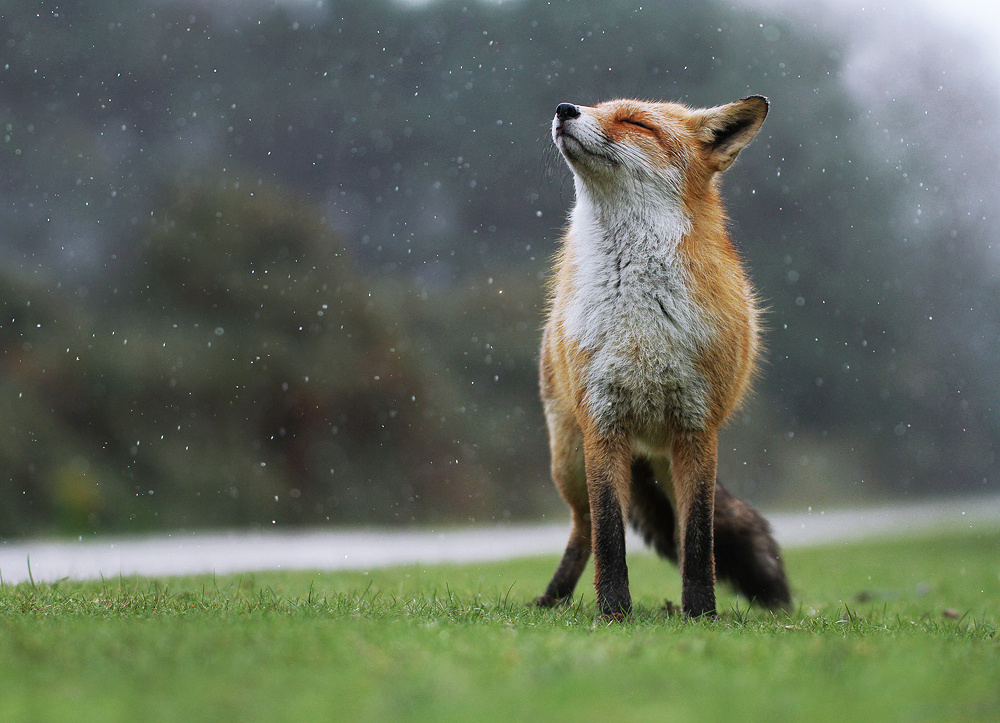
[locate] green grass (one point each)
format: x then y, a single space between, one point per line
902 629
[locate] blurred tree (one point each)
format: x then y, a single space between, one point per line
233 370
256 251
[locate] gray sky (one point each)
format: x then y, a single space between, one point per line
979 19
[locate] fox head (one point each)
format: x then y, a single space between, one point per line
653 152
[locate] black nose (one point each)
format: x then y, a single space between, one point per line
565 111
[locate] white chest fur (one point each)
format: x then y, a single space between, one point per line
632 310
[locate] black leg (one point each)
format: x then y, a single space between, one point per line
610 569
693 464
574 560
697 565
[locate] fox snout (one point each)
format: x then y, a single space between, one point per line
565 111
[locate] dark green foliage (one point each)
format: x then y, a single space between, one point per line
236 372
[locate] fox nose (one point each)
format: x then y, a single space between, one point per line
565 111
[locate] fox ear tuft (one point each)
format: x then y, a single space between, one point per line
726 129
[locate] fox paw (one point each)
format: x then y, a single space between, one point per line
548 601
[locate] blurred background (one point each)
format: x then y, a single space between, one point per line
282 263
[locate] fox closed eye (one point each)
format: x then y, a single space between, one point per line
637 123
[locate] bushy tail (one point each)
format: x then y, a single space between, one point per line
746 554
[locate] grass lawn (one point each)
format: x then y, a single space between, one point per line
892 630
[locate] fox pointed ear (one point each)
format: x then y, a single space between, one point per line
726 129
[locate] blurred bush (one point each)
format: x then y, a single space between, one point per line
234 370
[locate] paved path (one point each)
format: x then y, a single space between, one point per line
202 552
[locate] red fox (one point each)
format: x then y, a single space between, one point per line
650 344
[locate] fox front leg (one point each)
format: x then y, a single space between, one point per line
608 481
695 458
